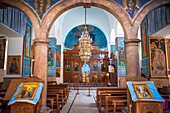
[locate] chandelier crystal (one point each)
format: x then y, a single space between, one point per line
85 44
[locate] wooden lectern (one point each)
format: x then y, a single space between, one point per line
144 98
27 97
24 107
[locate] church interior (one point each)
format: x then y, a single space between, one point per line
89 56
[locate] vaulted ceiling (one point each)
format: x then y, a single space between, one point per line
97 17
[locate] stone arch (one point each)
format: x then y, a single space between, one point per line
145 10
28 10
62 6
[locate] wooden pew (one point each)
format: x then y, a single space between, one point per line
99 89
104 94
118 103
51 101
61 86
2 94
51 94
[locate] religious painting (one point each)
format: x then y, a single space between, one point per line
103 67
58 63
132 6
51 71
2 52
121 56
157 57
76 66
13 65
41 6
50 56
97 36
142 90
27 91
121 70
68 67
95 66
58 72
144 41
27 42
58 55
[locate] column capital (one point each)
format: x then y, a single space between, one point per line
132 41
127 41
41 41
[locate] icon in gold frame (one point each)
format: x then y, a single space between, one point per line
142 90
27 91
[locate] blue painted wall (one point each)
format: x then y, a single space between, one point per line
95 33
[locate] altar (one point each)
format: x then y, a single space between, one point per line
72 66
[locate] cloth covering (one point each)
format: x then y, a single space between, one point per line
156 96
33 101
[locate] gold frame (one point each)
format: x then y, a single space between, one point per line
142 90
31 87
10 64
156 43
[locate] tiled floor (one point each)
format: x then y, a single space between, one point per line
80 103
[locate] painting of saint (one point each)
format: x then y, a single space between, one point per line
41 6
76 66
27 41
142 90
68 67
159 64
122 57
50 57
132 6
158 57
27 91
95 66
13 65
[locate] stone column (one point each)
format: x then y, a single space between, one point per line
40 65
132 58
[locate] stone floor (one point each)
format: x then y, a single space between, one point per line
81 103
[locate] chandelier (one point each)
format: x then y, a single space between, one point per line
85 44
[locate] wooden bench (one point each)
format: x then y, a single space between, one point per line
61 86
99 89
115 103
54 101
52 93
2 94
104 94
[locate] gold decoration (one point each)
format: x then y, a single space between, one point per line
85 44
